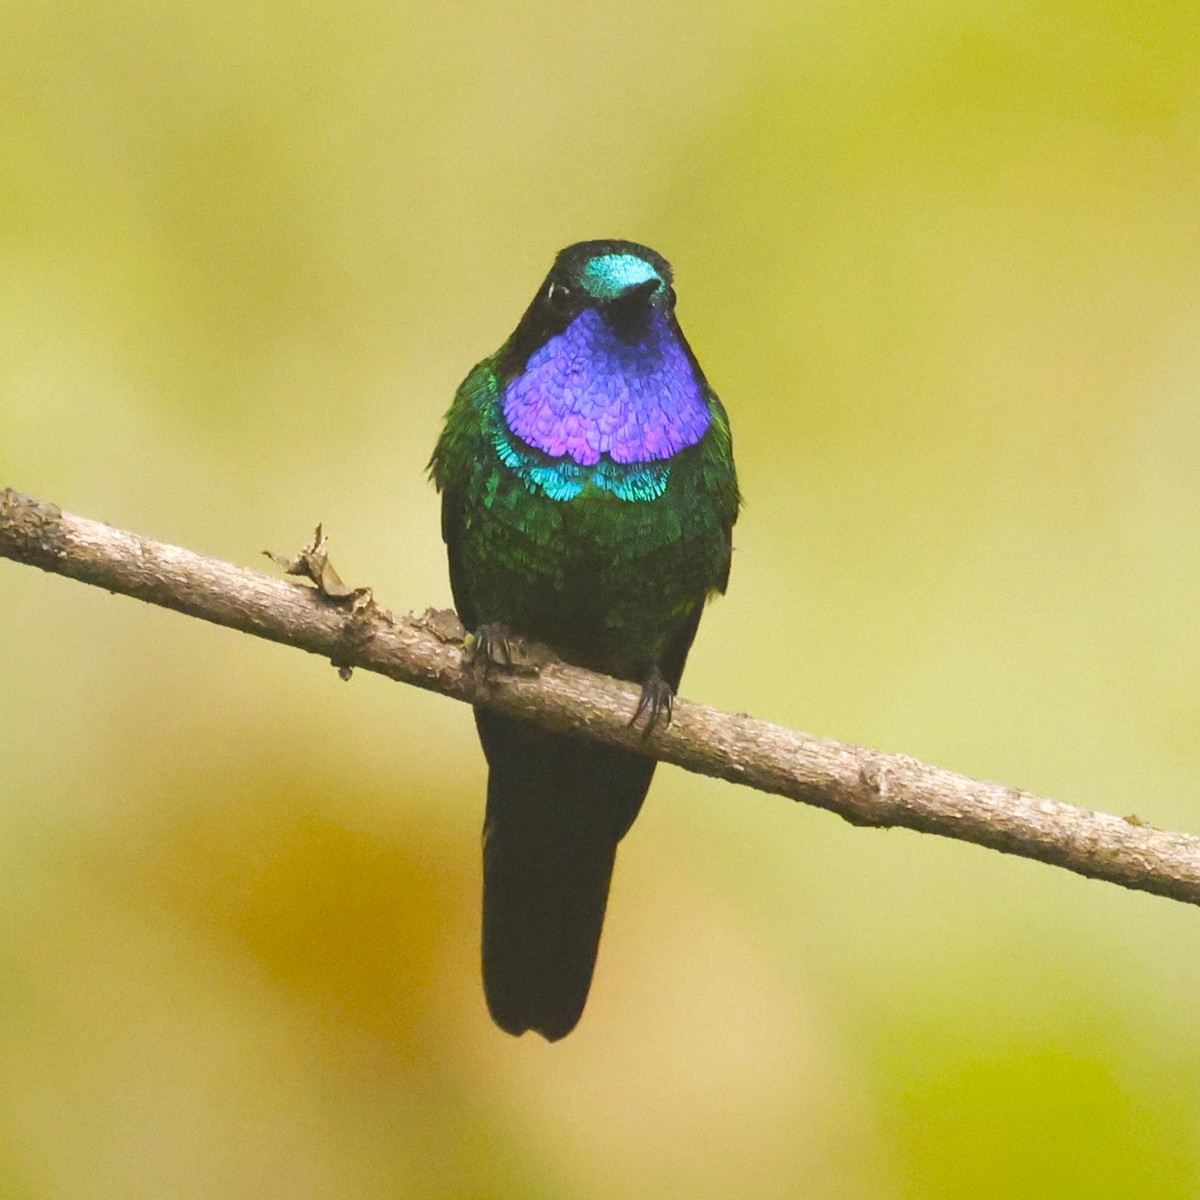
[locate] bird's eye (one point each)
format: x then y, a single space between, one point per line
558 296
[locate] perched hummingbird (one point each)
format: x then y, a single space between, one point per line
588 496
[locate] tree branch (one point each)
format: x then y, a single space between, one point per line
866 787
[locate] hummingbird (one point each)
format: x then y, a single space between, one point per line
588 501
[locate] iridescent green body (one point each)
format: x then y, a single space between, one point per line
608 583
588 498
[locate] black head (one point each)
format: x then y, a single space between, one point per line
623 280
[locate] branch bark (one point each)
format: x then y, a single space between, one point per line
866 787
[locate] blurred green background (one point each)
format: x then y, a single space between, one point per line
941 260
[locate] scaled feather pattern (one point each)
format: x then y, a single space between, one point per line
587 392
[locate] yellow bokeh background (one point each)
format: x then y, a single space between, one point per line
942 262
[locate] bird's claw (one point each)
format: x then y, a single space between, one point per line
494 648
655 703
490 648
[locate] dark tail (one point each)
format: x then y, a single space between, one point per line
557 806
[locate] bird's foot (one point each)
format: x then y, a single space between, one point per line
489 648
656 702
494 647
